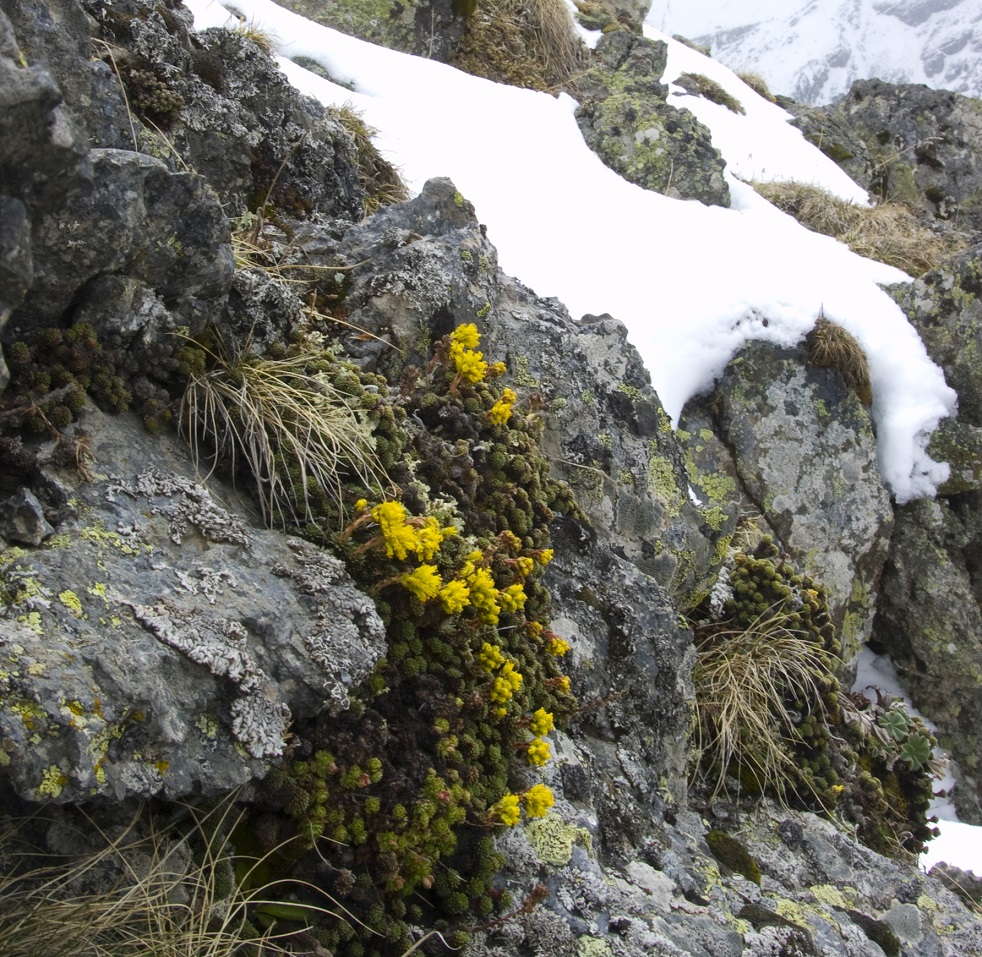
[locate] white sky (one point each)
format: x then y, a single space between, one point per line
692 283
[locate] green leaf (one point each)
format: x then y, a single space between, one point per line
916 751
895 724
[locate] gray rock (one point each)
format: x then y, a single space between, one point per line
908 143
929 622
160 643
139 220
805 453
22 519
627 122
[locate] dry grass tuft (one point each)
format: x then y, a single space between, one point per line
829 345
700 85
888 232
166 890
380 179
526 43
294 430
758 84
742 677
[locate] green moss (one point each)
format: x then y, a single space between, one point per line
730 852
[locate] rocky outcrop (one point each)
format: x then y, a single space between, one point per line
158 642
161 643
627 122
907 143
929 613
804 454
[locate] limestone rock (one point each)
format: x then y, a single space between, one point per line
162 644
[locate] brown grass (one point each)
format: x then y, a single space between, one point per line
381 180
166 890
700 85
758 84
829 345
741 678
888 232
526 43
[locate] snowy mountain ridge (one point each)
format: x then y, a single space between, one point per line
813 51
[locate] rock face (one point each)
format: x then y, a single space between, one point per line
907 143
929 610
160 643
627 122
804 453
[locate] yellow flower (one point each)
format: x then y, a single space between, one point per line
497 369
501 410
466 335
506 684
429 538
470 365
562 682
424 582
557 646
361 505
538 751
506 810
398 536
538 800
484 595
524 566
545 556
491 657
454 596
542 722
533 629
513 597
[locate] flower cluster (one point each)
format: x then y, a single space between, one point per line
501 411
424 582
542 722
506 683
402 534
470 364
506 811
537 751
538 800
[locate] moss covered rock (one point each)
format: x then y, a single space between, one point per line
626 120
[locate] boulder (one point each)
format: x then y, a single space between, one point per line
907 143
804 452
626 121
161 643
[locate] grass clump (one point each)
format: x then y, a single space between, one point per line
286 420
380 179
525 43
829 345
763 679
699 85
888 232
759 85
172 888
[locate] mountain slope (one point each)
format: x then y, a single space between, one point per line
814 51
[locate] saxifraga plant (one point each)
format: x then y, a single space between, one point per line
286 421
